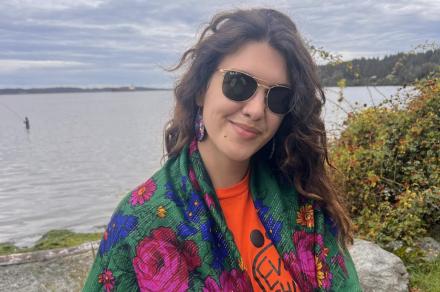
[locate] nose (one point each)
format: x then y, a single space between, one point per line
255 107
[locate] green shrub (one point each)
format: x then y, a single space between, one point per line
388 166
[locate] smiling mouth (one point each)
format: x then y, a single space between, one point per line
245 131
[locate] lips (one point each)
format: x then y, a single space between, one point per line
245 131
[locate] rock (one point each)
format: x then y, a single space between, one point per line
430 246
53 270
378 269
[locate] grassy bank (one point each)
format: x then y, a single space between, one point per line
50 240
425 277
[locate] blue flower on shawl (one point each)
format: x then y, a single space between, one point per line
217 242
206 229
119 227
261 209
219 250
193 208
184 230
172 195
273 227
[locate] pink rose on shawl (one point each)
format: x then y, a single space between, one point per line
193 179
163 263
208 200
235 280
107 280
302 275
211 285
143 192
309 271
301 264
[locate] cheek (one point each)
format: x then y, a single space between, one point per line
220 107
273 124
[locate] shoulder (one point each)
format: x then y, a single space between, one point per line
149 194
144 212
145 206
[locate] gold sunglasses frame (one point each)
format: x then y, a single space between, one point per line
257 80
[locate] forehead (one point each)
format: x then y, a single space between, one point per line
260 60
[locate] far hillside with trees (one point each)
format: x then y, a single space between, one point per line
399 69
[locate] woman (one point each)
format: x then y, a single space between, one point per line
243 202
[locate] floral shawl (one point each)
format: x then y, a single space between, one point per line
169 234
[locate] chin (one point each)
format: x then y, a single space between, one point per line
239 155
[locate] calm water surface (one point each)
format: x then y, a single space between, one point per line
84 151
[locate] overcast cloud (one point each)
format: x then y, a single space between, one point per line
115 42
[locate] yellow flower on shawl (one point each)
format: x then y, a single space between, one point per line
161 212
320 275
305 216
323 276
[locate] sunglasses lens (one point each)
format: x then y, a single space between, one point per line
278 99
238 86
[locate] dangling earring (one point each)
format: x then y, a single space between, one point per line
199 126
272 151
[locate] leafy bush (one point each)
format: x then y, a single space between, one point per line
388 162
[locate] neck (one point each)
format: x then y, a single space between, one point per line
222 172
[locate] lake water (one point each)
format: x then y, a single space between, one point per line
84 151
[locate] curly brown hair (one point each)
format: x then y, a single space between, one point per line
301 156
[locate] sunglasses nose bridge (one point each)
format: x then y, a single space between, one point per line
266 91
265 87
262 85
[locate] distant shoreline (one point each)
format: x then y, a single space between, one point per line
11 91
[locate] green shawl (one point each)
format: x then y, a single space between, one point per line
169 234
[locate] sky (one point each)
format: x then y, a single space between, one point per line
95 43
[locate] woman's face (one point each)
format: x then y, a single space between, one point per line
237 130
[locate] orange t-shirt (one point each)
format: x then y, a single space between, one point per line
260 257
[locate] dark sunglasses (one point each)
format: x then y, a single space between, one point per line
240 86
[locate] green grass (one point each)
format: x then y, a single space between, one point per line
426 277
52 239
8 248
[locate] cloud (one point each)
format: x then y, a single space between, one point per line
370 28
16 65
130 35
54 5
428 10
